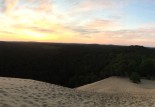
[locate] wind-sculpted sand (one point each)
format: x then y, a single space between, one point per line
121 92
30 93
120 85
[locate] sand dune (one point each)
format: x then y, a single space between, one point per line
121 92
120 85
30 93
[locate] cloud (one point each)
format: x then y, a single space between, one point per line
88 5
9 5
98 26
82 30
103 24
38 5
34 28
6 32
128 37
139 36
86 10
43 5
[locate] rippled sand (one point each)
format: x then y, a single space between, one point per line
30 93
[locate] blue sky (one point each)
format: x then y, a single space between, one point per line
140 13
120 22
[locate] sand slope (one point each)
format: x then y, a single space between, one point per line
30 93
121 92
120 85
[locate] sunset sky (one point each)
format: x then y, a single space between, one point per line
119 22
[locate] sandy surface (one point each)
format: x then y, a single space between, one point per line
121 92
120 85
30 93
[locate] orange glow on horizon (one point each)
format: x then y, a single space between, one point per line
110 22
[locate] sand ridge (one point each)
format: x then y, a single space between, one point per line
16 92
120 85
30 93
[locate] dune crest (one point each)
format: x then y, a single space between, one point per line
16 92
119 85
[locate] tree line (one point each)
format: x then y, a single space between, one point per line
73 65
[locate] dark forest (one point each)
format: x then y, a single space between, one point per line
73 65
